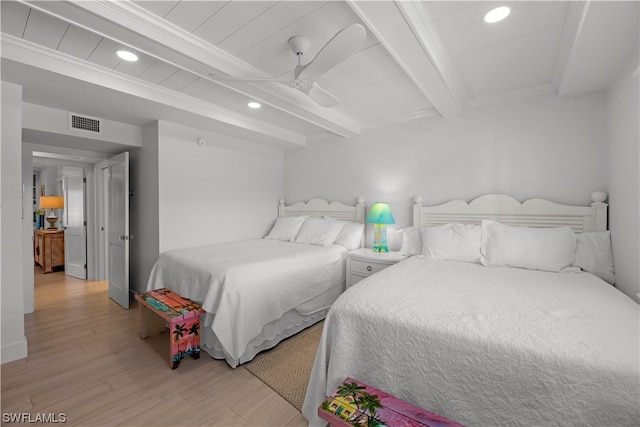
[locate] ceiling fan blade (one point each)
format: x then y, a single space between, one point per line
322 97
339 48
285 77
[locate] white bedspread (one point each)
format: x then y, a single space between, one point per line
248 284
486 346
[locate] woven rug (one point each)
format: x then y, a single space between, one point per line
286 367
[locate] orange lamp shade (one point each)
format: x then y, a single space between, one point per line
51 202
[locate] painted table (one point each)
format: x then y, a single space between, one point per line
355 403
161 308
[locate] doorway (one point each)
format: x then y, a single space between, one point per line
85 186
68 182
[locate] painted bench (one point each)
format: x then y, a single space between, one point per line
161 308
346 407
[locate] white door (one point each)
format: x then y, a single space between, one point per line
118 229
75 228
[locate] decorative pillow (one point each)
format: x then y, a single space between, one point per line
594 255
318 231
456 242
350 236
411 241
549 249
286 228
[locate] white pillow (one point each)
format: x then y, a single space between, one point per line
456 242
411 241
286 228
318 231
594 255
350 236
549 249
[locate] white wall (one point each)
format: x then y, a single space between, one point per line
544 146
623 159
14 342
188 195
55 121
225 190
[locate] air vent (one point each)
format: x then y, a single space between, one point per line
84 123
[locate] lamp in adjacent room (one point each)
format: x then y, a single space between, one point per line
52 202
380 215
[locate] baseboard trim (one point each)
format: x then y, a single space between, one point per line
14 351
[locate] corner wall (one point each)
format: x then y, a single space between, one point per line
623 161
188 195
14 341
143 208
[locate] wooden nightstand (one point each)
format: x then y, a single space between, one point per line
364 262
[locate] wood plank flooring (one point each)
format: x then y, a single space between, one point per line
87 362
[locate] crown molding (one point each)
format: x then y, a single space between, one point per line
28 53
512 95
576 15
403 118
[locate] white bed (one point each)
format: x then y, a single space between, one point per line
258 292
486 345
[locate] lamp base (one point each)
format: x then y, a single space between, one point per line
380 238
52 222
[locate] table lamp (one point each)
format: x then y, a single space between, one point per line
52 202
380 215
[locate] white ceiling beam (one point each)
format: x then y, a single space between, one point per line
408 32
28 53
576 15
600 39
130 24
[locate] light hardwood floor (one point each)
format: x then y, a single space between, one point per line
87 362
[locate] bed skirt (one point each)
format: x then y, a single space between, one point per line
292 322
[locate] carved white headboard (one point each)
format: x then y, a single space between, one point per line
320 207
507 210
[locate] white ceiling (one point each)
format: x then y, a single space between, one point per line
420 59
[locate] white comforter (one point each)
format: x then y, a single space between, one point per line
248 284
486 346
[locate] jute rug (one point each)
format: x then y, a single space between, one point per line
286 367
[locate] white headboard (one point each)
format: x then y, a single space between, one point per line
320 207
507 210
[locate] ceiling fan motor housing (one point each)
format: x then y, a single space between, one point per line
299 44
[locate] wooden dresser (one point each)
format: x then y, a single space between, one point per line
48 249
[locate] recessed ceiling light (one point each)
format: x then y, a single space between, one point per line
497 14
127 56
254 104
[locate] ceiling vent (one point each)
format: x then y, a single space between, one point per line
85 123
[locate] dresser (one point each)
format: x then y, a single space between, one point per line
48 249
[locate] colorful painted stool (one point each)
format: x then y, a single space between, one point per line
346 408
161 308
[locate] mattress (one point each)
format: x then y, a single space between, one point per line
486 346
244 286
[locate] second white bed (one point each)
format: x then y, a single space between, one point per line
486 345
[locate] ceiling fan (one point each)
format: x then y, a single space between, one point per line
303 78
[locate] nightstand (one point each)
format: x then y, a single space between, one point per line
364 262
